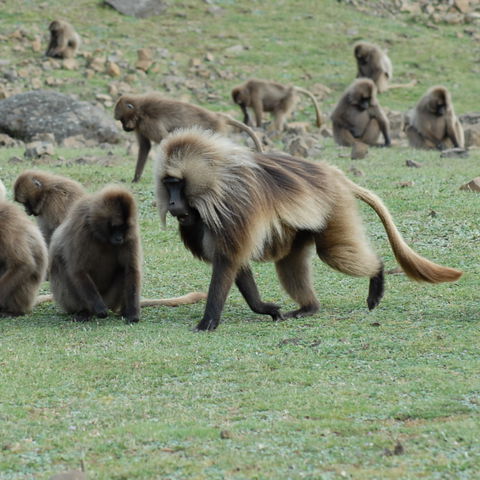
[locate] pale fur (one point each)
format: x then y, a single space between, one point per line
3 191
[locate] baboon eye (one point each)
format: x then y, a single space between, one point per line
130 106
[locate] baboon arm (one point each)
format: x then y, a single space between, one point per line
347 136
383 124
452 132
144 146
224 272
131 301
248 288
89 293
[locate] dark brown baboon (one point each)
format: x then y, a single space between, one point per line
265 96
234 206
23 260
433 123
46 196
358 116
64 40
374 63
153 117
96 257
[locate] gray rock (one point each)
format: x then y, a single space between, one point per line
28 114
138 8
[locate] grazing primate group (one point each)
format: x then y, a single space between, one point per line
234 206
64 40
152 117
46 196
433 123
265 96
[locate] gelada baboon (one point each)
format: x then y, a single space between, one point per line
374 63
234 206
46 196
96 257
433 123
23 261
265 96
64 40
358 116
153 117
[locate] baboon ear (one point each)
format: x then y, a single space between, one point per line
130 106
37 182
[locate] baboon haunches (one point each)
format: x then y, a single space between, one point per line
234 206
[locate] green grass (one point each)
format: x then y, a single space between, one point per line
316 398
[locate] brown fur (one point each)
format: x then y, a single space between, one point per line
358 116
46 196
23 260
275 208
153 117
266 96
433 123
64 40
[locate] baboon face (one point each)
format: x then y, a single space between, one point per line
237 96
28 191
111 221
177 201
361 54
126 112
438 103
361 96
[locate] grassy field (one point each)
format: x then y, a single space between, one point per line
390 394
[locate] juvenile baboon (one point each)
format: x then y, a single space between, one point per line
64 40
265 96
358 116
23 260
234 206
433 123
96 257
373 63
46 196
153 117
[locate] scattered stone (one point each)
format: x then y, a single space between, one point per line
138 8
7 141
145 59
70 64
113 69
37 45
359 151
38 149
454 152
413 164
298 147
14 160
225 434
235 49
97 64
356 172
24 115
472 185
44 137
36 83
396 120
395 271
409 183
297 128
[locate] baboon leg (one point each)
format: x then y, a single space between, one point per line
224 272
343 245
415 139
294 273
246 116
257 106
248 288
144 146
371 133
